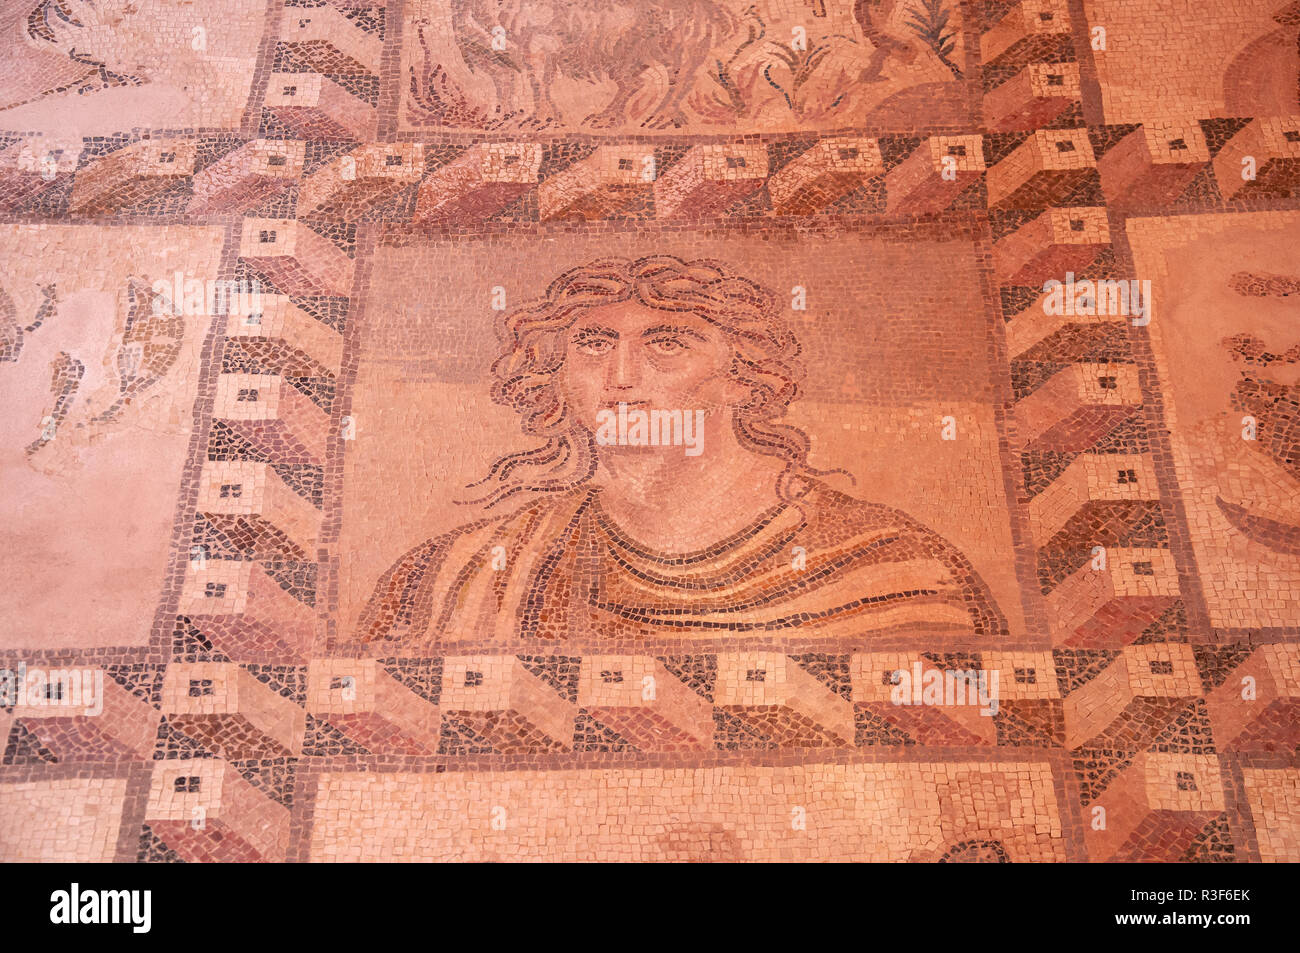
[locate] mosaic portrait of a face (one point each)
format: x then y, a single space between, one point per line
686 383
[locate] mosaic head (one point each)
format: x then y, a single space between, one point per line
653 332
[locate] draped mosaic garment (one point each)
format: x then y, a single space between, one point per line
828 565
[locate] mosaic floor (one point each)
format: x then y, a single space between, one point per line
650 430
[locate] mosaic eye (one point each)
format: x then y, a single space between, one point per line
669 345
593 344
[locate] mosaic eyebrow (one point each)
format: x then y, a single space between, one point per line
672 329
597 332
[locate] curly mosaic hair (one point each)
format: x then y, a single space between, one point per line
765 358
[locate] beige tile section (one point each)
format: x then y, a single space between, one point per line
1274 797
879 812
86 525
1023 676
1167 59
68 820
193 64
1183 782
1191 261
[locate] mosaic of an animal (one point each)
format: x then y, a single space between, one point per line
628 42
